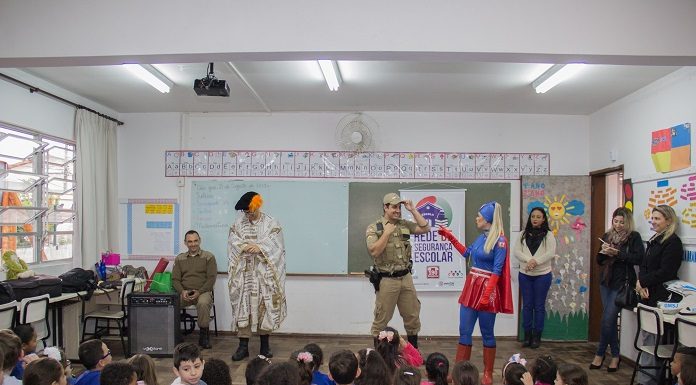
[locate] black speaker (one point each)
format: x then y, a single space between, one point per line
153 324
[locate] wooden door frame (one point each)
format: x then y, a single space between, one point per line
597 229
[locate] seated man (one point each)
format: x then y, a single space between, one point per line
193 277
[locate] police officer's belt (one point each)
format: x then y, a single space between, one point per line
395 274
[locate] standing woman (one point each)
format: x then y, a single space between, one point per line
535 251
487 288
662 260
621 250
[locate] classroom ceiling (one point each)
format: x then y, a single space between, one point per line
288 86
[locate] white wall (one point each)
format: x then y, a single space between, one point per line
145 137
626 126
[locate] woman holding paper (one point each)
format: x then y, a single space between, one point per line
535 251
621 250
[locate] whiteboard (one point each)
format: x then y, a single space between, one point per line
678 192
314 217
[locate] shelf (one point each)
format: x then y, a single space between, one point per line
19 215
19 181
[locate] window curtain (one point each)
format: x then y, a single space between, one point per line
97 190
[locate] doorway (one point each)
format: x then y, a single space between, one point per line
607 195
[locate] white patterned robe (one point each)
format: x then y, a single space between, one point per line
257 281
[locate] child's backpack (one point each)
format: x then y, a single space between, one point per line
79 279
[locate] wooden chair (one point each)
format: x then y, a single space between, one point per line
34 311
189 320
108 314
8 312
685 332
650 320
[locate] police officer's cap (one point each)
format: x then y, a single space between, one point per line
392 199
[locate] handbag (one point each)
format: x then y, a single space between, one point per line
627 297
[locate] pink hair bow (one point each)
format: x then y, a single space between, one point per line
385 334
305 357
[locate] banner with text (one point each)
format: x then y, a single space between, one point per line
437 266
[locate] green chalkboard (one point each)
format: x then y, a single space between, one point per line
313 215
365 202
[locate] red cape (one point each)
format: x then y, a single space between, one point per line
505 283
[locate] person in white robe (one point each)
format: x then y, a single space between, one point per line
256 283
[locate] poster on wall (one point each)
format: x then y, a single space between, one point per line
151 228
670 148
355 165
566 200
437 266
678 192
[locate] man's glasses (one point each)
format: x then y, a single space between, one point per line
108 353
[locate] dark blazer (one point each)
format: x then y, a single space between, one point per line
630 255
661 264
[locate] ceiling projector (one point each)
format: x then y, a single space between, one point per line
210 85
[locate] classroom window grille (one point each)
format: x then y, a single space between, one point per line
37 180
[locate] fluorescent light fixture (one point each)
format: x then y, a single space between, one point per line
556 74
331 73
150 75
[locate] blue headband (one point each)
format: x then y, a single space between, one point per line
487 210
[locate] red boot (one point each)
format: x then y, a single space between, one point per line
488 361
463 353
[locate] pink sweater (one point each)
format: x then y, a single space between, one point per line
412 356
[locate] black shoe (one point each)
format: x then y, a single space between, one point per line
242 351
413 339
204 339
528 334
535 341
612 370
265 346
595 367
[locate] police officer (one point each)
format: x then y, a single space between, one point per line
388 241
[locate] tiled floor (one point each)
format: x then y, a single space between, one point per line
579 353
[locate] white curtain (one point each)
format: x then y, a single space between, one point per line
97 190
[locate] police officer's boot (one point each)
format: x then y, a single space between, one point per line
463 353
413 339
265 347
204 338
488 361
242 351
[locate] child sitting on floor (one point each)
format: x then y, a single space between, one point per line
396 351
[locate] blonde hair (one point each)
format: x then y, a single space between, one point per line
671 216
496 229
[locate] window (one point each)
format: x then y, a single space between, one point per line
37 180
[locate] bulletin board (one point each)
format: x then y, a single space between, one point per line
151 228
678 191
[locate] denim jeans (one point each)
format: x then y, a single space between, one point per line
534 289
608 334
